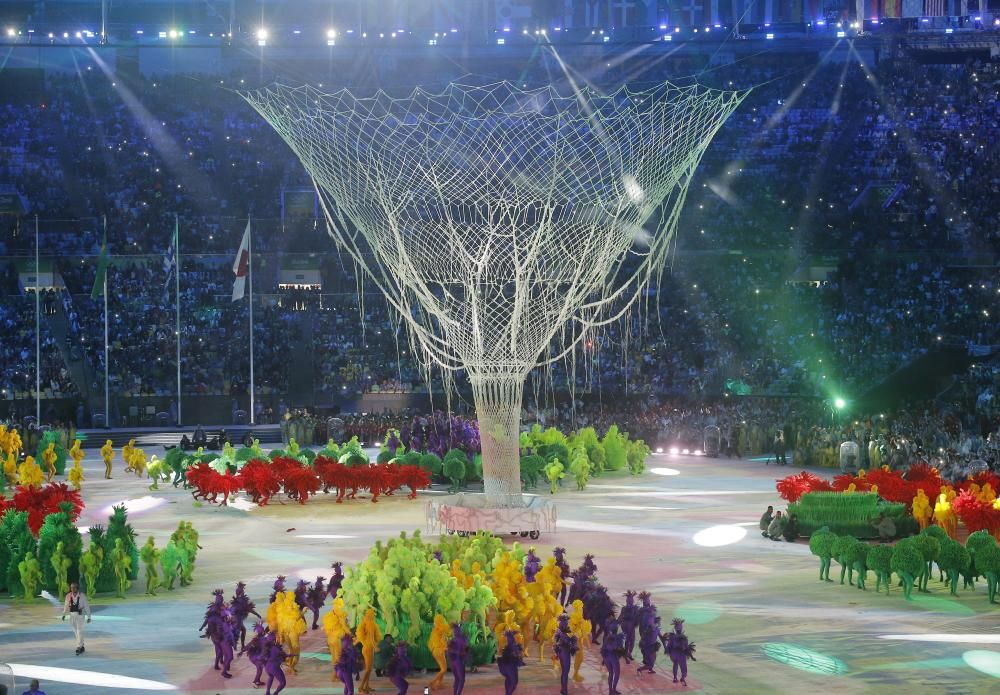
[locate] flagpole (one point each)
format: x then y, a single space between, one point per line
107 379
250 280
177 308
38 334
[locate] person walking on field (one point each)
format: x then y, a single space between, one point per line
76 606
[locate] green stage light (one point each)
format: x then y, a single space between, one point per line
839 403
804 659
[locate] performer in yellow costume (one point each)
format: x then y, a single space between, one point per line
108 454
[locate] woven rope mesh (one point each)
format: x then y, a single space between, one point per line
497 220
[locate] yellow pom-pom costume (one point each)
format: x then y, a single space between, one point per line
29 474
49 457
944 514
922 511
108 454
335 626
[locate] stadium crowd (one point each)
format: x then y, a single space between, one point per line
802 262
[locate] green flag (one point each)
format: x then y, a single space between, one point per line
102 271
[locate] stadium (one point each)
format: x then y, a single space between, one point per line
462 345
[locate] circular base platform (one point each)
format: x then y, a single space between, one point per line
468 512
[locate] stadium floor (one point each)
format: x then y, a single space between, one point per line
686 530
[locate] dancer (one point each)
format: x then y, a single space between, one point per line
75 475
108 454
677 647
398 668
509 661
49 457
649 642
217 627
30 572
275 658
628 620
581 629
347 665
560 556
242 608
438 646
336 580
368 636
257 651
335 626
458 656
76 606
122 563
612 651
150 559
564 646
315 598
60 563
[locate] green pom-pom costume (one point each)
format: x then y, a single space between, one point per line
454 469
856 557
821 545
31 576
841 548
150 557
90 568
988 564
61 564
953 559
907 562
554 473
879 560
929 548
531 469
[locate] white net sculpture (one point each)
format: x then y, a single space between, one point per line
496 220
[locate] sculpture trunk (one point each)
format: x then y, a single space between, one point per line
498 407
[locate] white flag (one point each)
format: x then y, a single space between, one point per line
241 266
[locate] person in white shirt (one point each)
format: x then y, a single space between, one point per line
76 606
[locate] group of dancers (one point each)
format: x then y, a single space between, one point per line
588 617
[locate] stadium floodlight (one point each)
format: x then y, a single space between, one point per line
173 33
532 192
11 32
261 37
839 403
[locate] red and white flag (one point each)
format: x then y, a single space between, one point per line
241 266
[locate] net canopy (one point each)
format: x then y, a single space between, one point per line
498 220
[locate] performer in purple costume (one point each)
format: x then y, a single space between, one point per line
565 646
279 586
677 647
509 661
336 580
560 555
583 574
628 619
214 608
598 608
302 594
315 598
275 658
218 627
348 663
612 652
399 668
257 651
649 642
242 608
532 563
458 655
